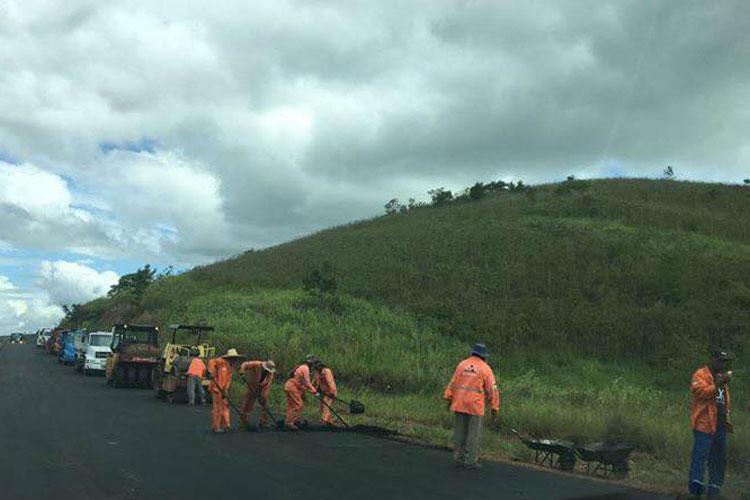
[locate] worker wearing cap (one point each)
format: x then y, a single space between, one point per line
295 387
710 407
472 385
220 370
258 378
195 372
323 380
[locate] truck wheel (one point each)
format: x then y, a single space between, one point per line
156 384
120 376
143 375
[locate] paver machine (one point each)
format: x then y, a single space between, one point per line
170 375
135 354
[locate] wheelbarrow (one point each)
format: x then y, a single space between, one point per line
551 452
607 459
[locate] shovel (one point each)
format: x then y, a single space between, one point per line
355 407
278 423
334 412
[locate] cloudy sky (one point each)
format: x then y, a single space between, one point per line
179 132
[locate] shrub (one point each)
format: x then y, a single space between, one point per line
440 196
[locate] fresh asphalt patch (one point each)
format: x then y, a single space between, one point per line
66 436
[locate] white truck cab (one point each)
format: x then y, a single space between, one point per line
42 336
94 352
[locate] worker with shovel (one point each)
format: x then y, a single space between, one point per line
710 407
295 387
220 370
472 385
325 383
258 378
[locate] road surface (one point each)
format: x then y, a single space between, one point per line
65 436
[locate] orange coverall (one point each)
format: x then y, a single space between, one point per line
258 387
295 393
326 384
221 379
703 411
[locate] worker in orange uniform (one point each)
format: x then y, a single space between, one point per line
295 387
472 385
710 407
326 385
196 370
258 378
220 370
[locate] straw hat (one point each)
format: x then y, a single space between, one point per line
269 366
232 353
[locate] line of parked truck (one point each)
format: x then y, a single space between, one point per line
130 355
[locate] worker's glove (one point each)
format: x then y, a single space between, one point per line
448 403
494 414
730 427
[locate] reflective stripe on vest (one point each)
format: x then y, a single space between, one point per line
468 388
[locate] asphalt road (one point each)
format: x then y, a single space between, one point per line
65 436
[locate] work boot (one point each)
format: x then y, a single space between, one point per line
713 493
218 431
291 427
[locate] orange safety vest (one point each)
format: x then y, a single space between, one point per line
197 368
703 410
324 380
253 371
472 384
221 374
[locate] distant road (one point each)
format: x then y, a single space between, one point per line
65 436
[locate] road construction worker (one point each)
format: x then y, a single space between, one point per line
710 408
295 387
472 385
258 378
220 370
326 385
195 373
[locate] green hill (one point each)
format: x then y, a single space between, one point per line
600 295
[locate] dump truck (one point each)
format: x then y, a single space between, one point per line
135 354
170 375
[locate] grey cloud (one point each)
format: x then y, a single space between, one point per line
400 97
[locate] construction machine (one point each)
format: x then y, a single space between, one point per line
170 375
135 354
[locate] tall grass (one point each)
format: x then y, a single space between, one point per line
652 269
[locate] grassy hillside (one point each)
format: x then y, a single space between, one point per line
622 269
597 299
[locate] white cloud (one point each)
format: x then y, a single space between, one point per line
34 190
37 210
159 200
74 283
5 284
25 310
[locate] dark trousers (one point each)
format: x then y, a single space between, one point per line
711 448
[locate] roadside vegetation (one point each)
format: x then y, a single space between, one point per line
597 299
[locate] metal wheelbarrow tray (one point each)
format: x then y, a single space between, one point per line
551 452
610 460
